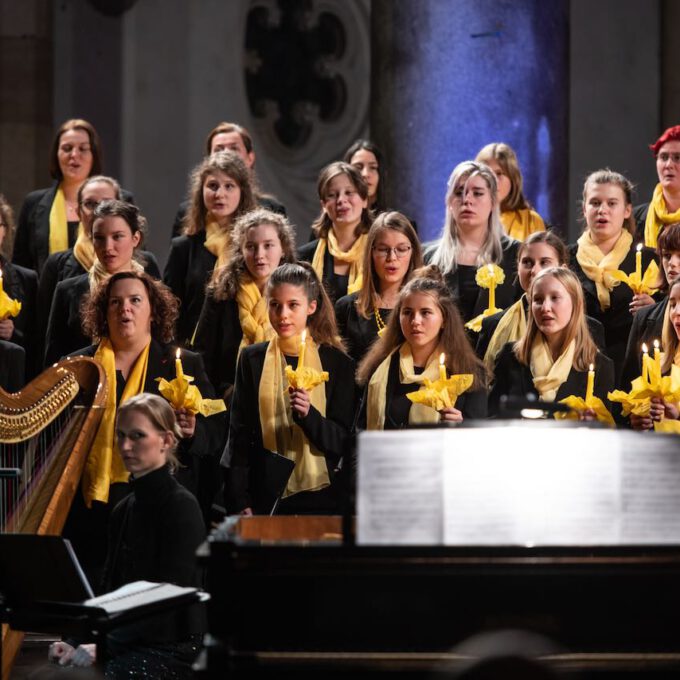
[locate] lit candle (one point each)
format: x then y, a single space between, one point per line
492 289
645 362
442 366
178 364
638 262
303 345
657 359
591 383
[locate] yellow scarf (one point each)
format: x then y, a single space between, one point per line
657 217
280 433
354 256
83 250
58 223
98 274
376 401
104 466
596 265
548 374
511 327
519 224
252 313
217 242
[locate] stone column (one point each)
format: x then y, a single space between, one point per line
450 77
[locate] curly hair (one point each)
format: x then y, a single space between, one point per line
226 280
229 163
164 307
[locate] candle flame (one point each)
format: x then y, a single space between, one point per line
656 345
442 359
639 247
592 367
645 349
303 337
178 353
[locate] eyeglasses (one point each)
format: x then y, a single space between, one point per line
400 252
673 157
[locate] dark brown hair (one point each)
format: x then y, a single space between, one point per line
164 307
550 238
668 242
460 357
95 146
366 145
226 128
669 337
127 211
7 218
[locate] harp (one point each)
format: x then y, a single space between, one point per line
46 431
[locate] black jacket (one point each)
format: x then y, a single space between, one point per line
32 242
186 273
515 380
359 333
507 293
12 366
335 285
22 284
218 337
331 435
647 327
617 320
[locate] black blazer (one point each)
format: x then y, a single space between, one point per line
640 217
647 327
472 404
336 286
507 293
12 366
32 243
63 265
358 333
187 272
515 380
218 337
198 456
331 435
263 201
617 320
22 284
490 324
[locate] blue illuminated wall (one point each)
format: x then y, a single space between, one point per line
450 76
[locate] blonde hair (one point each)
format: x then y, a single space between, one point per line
669 337
505 156
161 416
577 328
607 176
446 254
460 357
388 221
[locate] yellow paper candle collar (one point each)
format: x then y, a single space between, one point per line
488 276
8 306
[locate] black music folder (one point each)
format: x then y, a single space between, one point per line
269 473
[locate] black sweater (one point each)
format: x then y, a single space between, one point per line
359 333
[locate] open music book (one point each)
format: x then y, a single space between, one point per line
138 594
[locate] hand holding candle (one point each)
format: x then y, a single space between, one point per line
8 306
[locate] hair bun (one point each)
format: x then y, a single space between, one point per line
429 271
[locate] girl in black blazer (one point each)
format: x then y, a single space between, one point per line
221 191
337 252
607 245
262 240
392 253
424 328
117 231
473 236
20 284
648 321
49 220
551 360
310 426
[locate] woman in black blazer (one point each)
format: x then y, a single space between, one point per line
424 325
49 220
262 240
473 236
392 253
337 252
607 245
117 231
20 284
220 193
310 426
551 360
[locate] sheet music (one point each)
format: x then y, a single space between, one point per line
399 493
136 594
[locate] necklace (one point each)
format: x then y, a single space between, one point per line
378 321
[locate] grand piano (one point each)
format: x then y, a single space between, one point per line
320 597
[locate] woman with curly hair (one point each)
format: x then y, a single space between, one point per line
337 252
221 192
234 313
132 318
